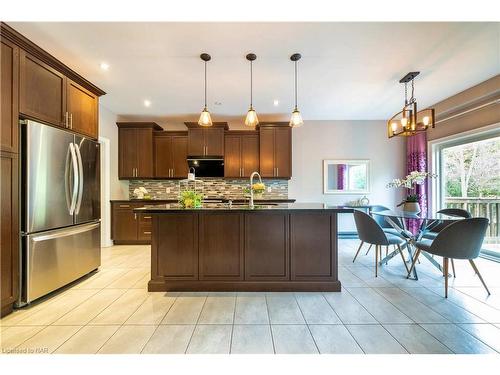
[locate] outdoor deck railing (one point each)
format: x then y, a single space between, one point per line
480 207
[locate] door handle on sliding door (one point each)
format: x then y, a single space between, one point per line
80 179
75 178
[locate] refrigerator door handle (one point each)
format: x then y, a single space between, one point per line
75 179
66 178
80 179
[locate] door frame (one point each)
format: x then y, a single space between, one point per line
105 192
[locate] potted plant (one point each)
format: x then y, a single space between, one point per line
410 182
258 189
190 199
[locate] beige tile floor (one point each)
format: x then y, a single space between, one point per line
111 311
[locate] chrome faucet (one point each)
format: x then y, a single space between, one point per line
250 204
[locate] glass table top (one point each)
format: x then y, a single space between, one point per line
418 216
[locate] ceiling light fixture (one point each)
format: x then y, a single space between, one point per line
251 120
205 118
296 119
104 66
408 121
147 103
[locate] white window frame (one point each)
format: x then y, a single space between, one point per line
435 147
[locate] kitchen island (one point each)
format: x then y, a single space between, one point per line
222 247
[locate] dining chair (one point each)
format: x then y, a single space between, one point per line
432 234
386 227
460 240
370 232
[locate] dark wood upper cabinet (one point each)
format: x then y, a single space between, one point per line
170 154
275 150
42 91
241 153
135 149
208 141
82 108
9 79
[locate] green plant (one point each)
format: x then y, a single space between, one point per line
190 199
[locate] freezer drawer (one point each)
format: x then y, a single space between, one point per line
55 258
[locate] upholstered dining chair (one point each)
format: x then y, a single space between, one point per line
460 240
370 232
432 234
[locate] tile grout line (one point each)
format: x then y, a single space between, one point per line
232 327
305 321
196 324
269 320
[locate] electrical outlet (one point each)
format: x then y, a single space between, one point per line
167 190
269 189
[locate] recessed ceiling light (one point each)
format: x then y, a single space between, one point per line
104 66
147 103
276 102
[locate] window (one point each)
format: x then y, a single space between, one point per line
468 169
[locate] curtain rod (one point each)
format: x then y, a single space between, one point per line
496 101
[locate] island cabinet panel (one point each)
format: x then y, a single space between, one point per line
313 246
9 79
266 247
42 91
177 237
221 246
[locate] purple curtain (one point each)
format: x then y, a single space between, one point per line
416 160
341 176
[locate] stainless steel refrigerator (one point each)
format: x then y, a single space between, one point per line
60 209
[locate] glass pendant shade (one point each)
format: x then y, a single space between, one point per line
205 118
296 119
251 120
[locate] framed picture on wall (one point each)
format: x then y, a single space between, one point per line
342 176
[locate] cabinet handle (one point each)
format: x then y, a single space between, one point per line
146 217
147 232
66 119
124 205
277 172
173 172
71 120
242 172
135 216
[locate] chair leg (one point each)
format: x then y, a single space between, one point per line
453 267
413 263
386 253
369 247
480 277
376 260
445 271
357 252
403 257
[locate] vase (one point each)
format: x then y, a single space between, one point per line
412 207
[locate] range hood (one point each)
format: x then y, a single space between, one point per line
207 166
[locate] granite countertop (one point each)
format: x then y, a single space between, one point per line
175 207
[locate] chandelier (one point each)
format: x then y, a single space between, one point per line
409 121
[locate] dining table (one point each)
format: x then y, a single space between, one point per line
399 220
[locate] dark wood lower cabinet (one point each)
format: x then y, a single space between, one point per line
266 247
178 257
313 246
221 246
244 251
9 239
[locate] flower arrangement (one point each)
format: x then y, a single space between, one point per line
141 193
190 199
258 188
410 182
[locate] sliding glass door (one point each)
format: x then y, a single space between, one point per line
468 171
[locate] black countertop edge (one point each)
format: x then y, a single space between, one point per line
297 207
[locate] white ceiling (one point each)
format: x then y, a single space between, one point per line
348 70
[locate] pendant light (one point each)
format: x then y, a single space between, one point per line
205 118
409 121
251 120
296 119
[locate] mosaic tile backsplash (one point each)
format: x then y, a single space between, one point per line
209 187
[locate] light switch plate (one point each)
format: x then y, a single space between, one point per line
269 189
167 190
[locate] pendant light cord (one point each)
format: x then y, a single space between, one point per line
251 84
205 84
295 85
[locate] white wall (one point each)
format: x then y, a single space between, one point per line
111 187
319 140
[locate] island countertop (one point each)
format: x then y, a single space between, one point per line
218 207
